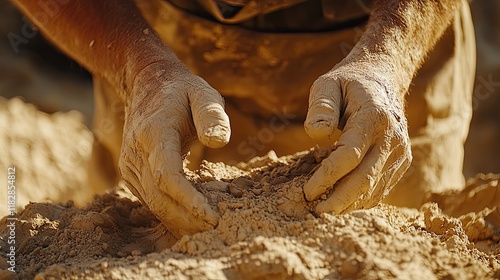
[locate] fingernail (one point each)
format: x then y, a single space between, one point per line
216 136
312 192
307 192
216 131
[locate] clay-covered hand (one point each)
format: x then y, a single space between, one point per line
162 117
373 151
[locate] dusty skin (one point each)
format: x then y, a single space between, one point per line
267 229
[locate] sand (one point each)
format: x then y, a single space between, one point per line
267 230
49 151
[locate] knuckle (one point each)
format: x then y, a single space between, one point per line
380 115
323 107
370 181
322 84
199 86
211 111
352 154
408 161
409 154
390 126
209 93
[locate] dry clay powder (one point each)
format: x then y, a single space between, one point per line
266 231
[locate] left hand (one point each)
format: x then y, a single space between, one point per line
167 108
373 151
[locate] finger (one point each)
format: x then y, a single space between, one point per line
324 110
165 163
210 119
358 183
170 212
351 148
394 169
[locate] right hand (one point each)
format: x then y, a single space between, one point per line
373 151
164 113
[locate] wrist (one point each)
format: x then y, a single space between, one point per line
379 68
148 60
150 77
386 54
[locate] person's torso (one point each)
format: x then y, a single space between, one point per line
263 55
279 15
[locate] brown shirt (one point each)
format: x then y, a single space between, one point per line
280 15
262 55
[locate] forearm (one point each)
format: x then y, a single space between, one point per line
109 38
400 34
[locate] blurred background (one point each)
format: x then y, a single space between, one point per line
41 75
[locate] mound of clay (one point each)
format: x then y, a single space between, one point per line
266 231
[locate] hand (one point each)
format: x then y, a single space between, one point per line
162 116
373 151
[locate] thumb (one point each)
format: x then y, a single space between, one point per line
210 119
324 109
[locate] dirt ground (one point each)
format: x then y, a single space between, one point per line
266 230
